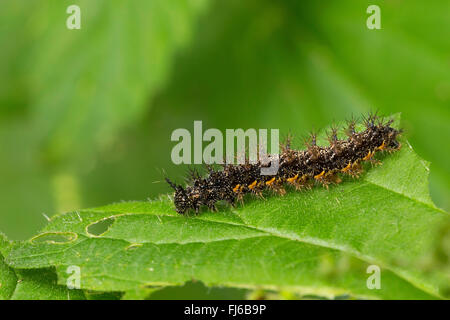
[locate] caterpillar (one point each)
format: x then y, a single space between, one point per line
300 169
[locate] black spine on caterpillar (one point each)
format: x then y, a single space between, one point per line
299 169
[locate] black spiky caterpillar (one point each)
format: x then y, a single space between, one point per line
299 169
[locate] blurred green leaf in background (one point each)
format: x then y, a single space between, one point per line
86 115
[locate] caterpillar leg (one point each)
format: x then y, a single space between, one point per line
276 185
353 169
327 178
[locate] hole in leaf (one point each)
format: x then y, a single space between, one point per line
55 237
99 228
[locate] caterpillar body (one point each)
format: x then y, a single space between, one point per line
300 169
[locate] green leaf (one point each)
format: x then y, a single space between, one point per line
36 284
41 284
8 278
316 242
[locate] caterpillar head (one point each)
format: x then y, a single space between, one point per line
182 200
390 135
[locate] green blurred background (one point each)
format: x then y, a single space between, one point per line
86 115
